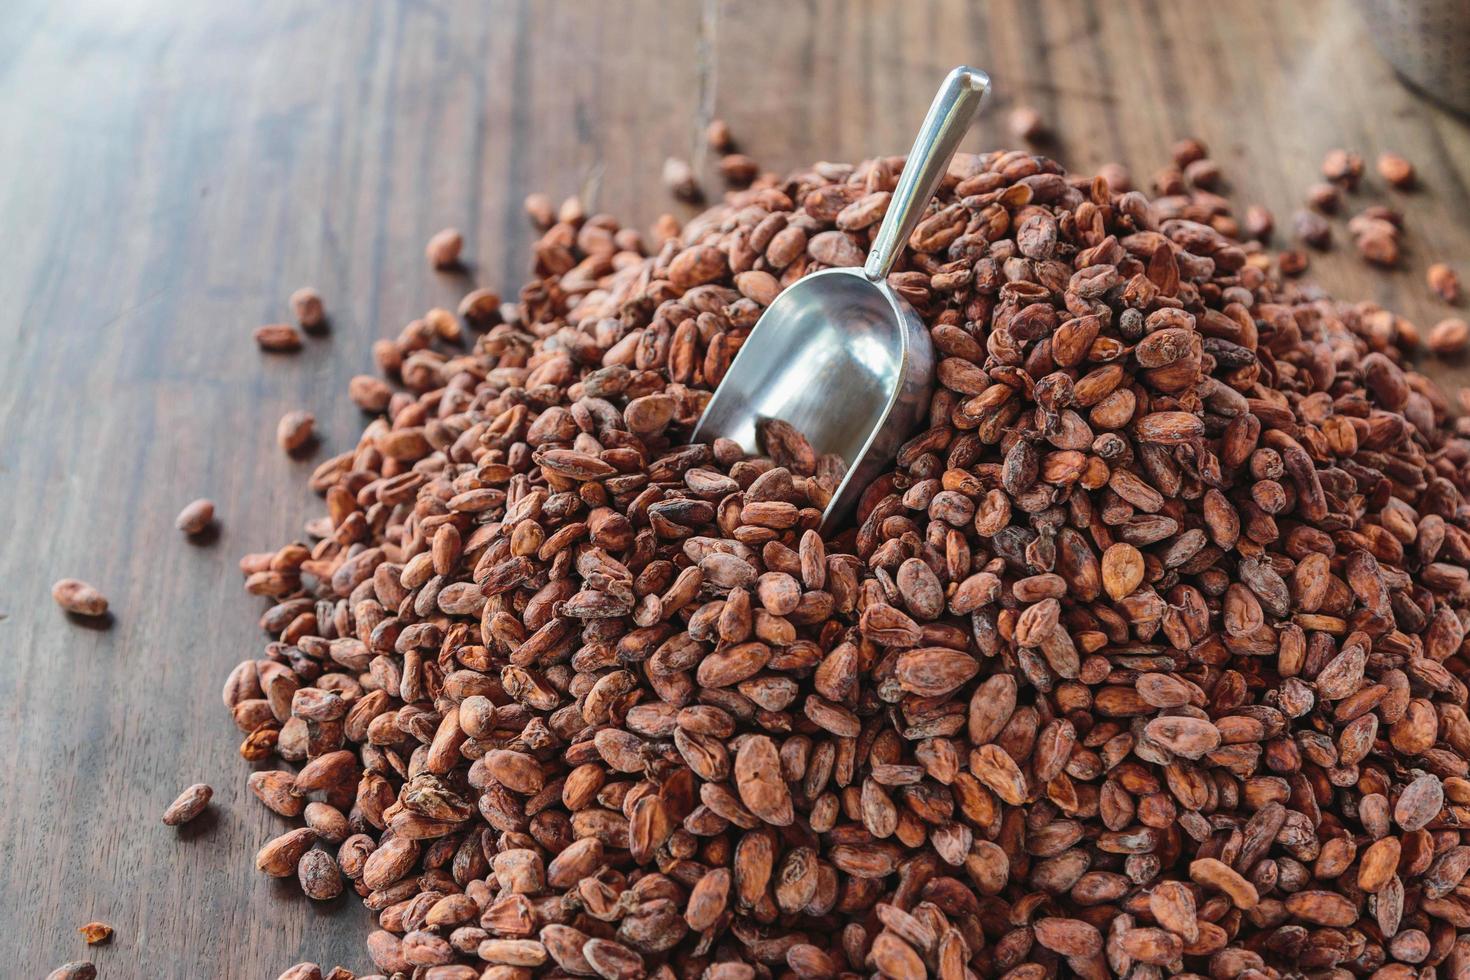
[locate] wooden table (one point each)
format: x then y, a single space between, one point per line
171 170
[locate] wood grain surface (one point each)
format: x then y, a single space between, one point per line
171 170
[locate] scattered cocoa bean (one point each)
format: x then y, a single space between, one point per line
1026 123
480 308
1312 229
1343 167
73 971
306 303
1443 281
76 596
278 338
679 178
295 430
1398 171
1449 337
717 135
738 170
189 805
1324 197
1259 222
539 209
94 933
196 517
443 248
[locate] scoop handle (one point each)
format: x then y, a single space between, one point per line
949 117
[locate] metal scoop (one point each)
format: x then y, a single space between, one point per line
839 355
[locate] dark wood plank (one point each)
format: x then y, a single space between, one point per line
170 171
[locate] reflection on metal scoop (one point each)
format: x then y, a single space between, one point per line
839 355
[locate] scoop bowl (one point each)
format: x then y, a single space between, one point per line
845 361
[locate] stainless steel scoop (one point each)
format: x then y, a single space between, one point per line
839 354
